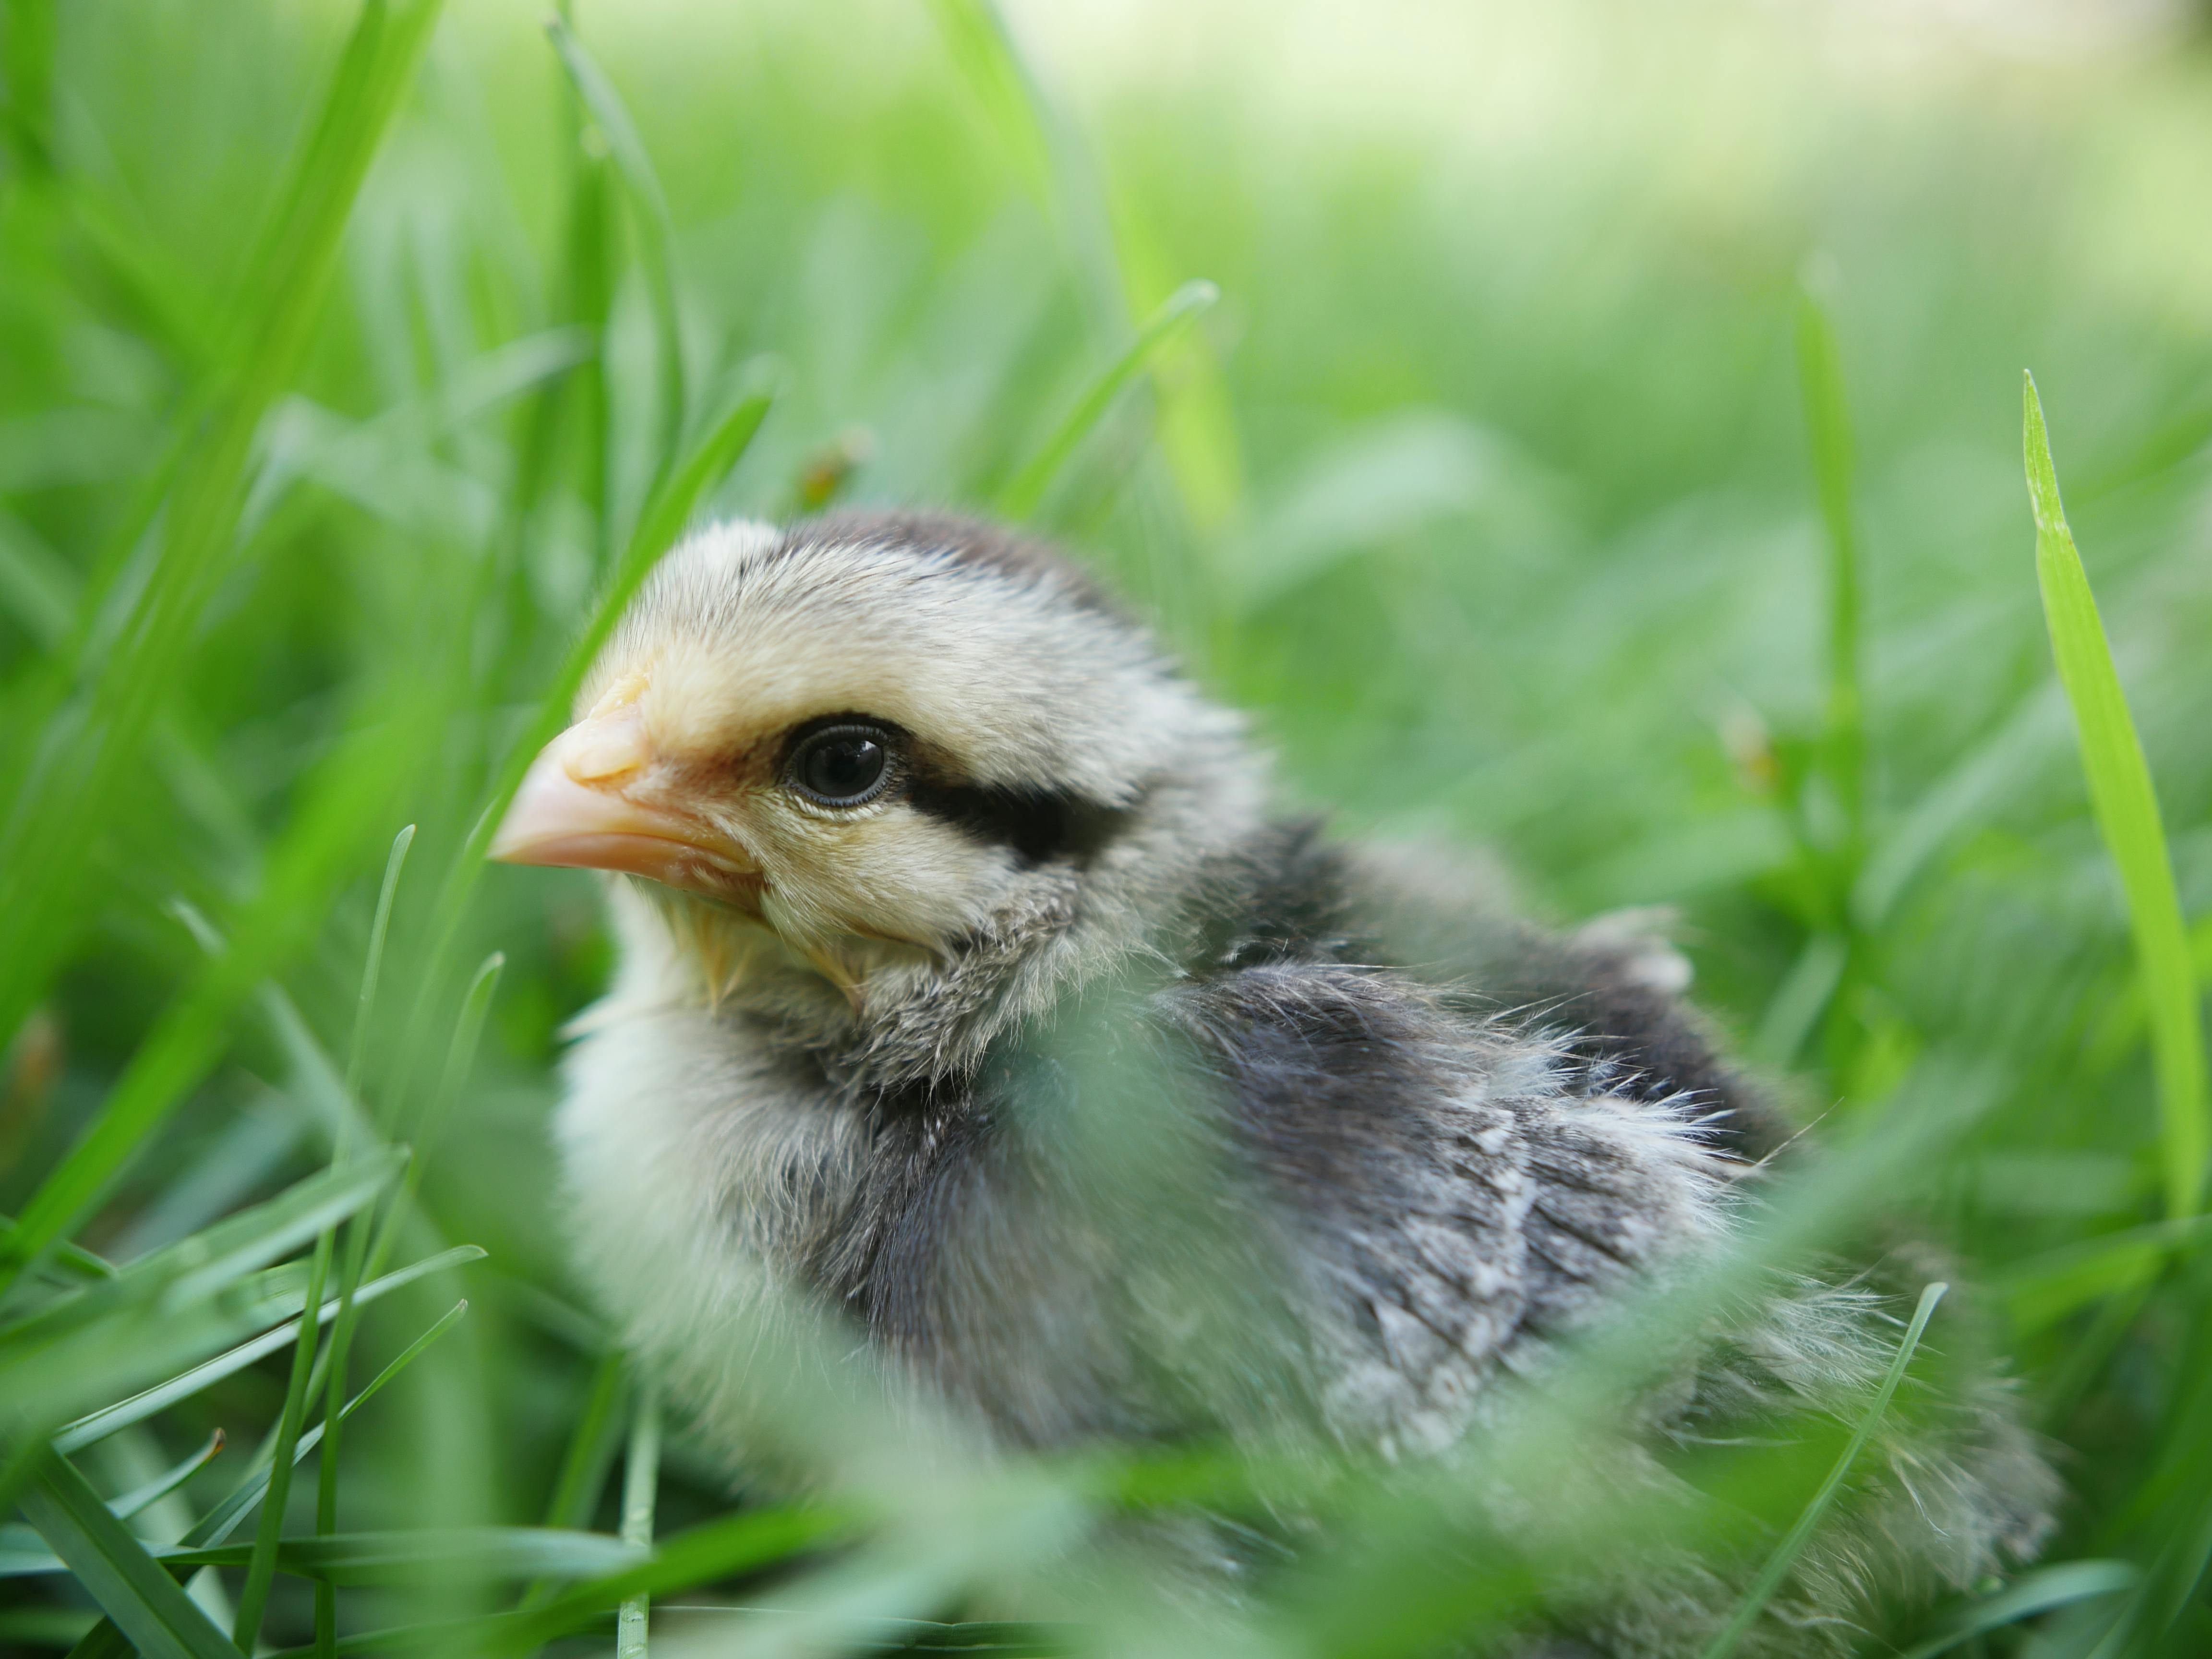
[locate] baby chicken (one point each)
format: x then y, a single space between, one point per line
969 991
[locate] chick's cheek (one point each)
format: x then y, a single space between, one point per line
902 875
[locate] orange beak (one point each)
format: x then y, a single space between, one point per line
579 806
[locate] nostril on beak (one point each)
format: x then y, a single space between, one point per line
603 753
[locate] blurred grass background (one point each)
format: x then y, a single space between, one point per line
1486 485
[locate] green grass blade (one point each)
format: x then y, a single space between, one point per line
590 1455
312 1079
261 1570
657 238
161 1486
373 1558
2128 1018
586 272
26 111
359 1237
2126 806
2042 1290
357 1234
1828 432
372 966
99 1424
1794 1011
460 1055
115 1568
640 1483
977 37
220 1256
215 1257
468 1031
70 1260
1027 487
2041 1591
1786 1554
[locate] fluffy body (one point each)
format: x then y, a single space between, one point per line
1101 1104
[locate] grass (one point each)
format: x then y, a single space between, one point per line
2126 806
363 360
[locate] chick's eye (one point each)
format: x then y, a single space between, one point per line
842 767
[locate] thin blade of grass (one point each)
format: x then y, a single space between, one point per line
36 587
26 113
22 1454
2125 802
372 966
261 1570
371 1557
2042 1290
1795 1009
217 1257
1792 1546
132 1588
1828 433
161 1486
1027 487
2128 1019
460 1055
977 37
72 1260
584 1466
2044 1590
98 1424
357 1236
587 250
657 238
640 1483
468 1031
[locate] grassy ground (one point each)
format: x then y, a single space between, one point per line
1514 482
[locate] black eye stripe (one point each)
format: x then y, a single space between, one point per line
1037 825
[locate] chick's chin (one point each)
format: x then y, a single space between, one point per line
802 970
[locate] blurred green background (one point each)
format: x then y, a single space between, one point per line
1485 486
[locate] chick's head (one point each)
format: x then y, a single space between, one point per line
859 760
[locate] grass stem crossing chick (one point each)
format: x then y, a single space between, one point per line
970 990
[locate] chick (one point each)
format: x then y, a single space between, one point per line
970 991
